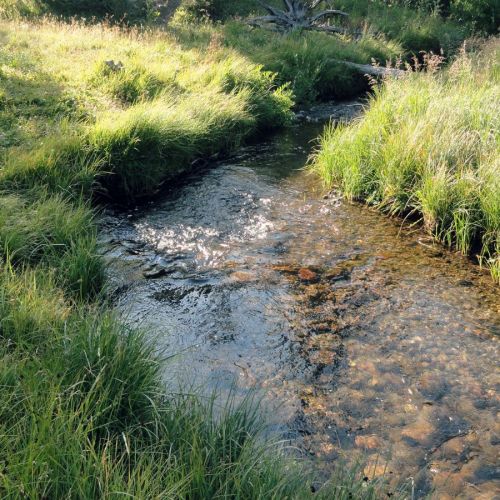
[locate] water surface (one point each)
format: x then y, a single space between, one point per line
365 338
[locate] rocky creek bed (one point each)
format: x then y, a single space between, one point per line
366 340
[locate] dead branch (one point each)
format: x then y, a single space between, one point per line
368 69
298 14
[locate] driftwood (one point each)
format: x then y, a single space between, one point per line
368 69
298 14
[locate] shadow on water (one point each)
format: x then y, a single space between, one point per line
365 338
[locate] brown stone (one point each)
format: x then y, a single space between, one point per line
368 366
426 381
420 431
306 274
375 468
448 481
368 442
242 276
454 447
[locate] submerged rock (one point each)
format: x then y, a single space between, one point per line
420 432
374 468
368 442
154 273
306 274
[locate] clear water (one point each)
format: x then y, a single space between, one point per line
365 339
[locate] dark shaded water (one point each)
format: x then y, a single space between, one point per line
365 338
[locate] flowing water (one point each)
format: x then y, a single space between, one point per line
365 339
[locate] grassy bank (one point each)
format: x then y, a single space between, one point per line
414 29
129 124
84 413
124 111
89 106
428 146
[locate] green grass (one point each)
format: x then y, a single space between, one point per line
54 234
379 32
411 20
83 127
428 145
416 30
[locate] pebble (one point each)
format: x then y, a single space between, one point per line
242 276
368 442
307 275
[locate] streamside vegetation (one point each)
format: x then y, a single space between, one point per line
427 147
92 110
98 108
83 413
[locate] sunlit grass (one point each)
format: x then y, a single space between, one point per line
428 144
82 123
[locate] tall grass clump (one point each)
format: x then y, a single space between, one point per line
428 145
154 142
54 234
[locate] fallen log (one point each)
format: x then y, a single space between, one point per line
371 70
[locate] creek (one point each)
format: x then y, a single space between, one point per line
366 340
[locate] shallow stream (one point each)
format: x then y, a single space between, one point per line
365 338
